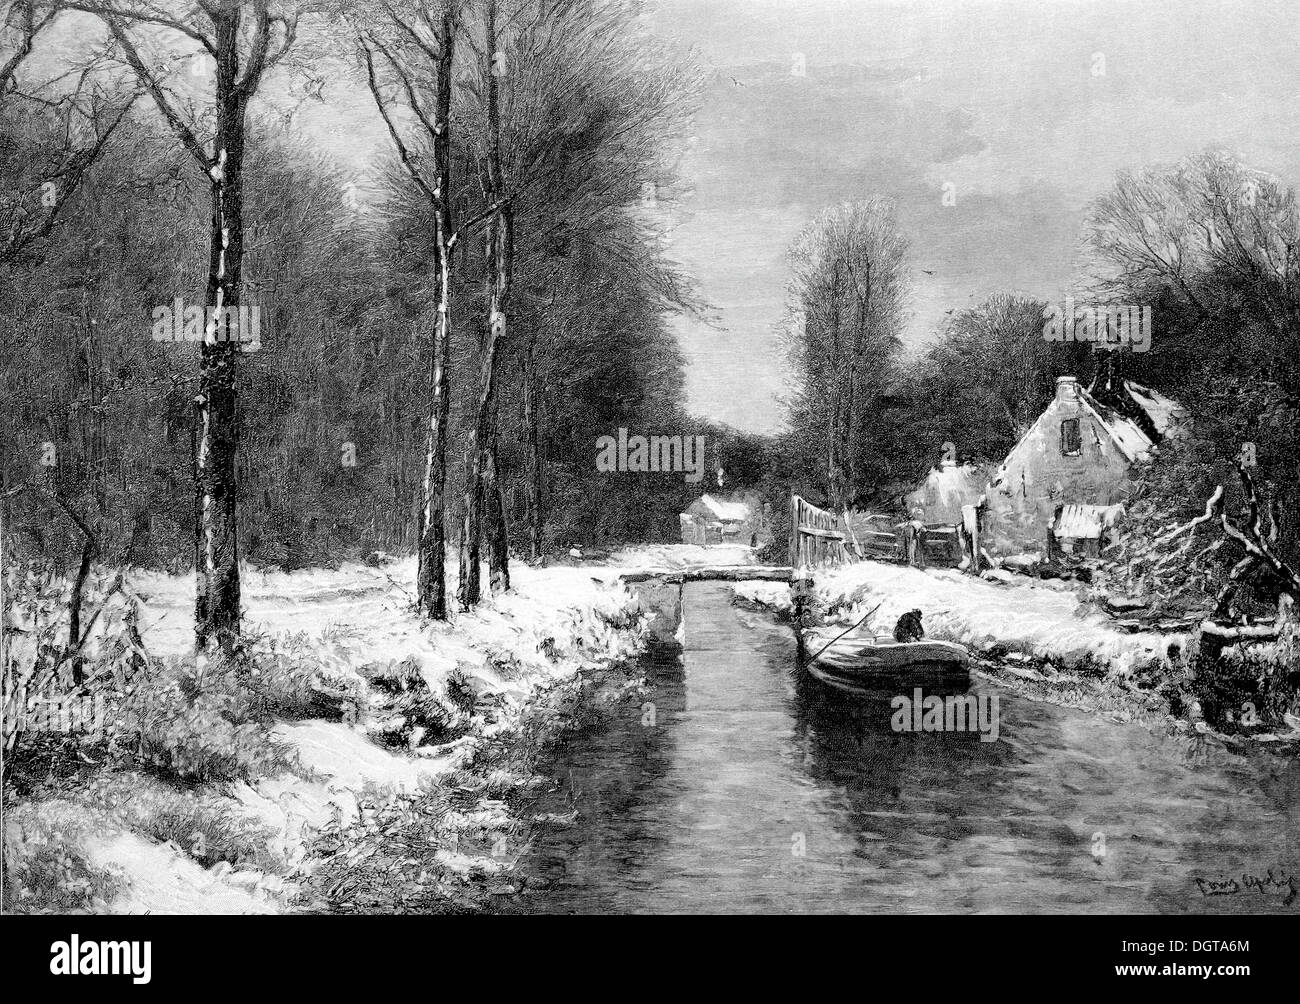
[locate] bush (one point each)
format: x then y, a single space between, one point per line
190 724
299 677
208 829
1247 688
47 874
413 714
461 691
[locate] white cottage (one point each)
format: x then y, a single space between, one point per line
709 520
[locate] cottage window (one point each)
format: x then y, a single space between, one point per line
1071 441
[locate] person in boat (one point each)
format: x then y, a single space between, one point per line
909 627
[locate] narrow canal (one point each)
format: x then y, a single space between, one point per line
742 785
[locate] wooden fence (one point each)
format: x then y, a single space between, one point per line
820 537
815 537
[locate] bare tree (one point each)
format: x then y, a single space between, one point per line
574 111
22 22
1225 238
847 293
246 41
67 125
481 481
413 56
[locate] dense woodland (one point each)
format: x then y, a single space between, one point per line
529 165
437 358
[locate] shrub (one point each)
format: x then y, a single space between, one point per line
412 713
461 691
1255 682
299 677
204 828
46 873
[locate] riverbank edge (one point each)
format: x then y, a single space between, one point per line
551 653
1076 661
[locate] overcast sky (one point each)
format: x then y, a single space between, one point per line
998 98
1026 107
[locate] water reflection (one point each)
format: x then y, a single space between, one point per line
757 788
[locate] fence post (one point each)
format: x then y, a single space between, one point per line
801 593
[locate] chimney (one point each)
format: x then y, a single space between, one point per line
1067 388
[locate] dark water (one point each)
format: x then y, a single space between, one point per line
757 789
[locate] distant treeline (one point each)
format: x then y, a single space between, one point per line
1206 249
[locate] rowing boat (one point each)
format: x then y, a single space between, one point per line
865 661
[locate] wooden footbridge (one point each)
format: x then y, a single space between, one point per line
815 540
818 539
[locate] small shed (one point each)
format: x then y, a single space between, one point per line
945 491
1086 530
709 520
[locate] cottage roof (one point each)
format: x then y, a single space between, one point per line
1165 413
952 483
1123 431
726 511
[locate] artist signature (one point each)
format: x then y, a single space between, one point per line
1272 881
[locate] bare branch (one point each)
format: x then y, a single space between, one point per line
1212 507
150 15
151 83
30 26
407 160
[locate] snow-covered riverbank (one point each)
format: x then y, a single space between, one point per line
1038 618
1038 637
481 674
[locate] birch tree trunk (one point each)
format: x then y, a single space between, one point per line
216 608
216 405
480 453
532 453
431 577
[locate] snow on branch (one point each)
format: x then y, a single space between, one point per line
1212 507
1258 546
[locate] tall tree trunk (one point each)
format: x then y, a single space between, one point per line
851 417
498 532
74 609
216 610
846 434
431 577
480 453
834 444
498 538
216 601
532 453
468 589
